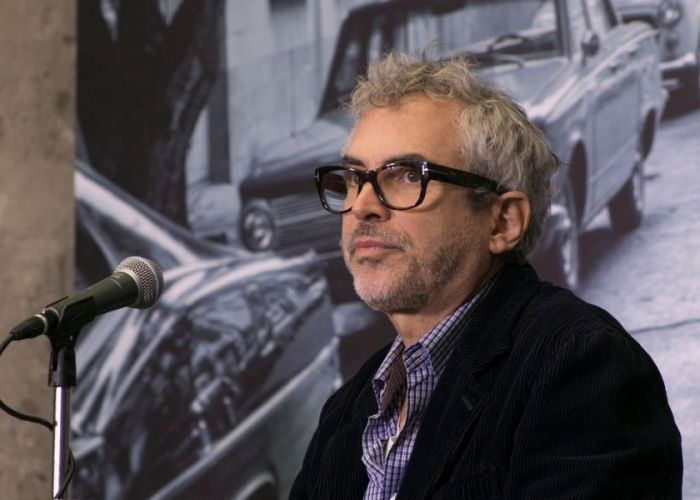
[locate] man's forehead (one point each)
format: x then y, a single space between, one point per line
442 112
418 128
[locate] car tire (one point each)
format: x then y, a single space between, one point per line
627 206
560 263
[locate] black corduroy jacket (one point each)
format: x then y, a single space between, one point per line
544 397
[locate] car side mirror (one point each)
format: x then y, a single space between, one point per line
590 44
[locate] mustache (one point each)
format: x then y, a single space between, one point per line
365 229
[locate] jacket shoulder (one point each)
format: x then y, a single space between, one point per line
557 311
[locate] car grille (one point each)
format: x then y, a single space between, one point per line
302 221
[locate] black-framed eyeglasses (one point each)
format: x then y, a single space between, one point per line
399 185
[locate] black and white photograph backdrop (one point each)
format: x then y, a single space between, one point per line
200 124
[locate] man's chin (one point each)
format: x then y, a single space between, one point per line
371 297
374 287
388 301
371 269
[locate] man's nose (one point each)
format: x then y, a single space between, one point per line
367 204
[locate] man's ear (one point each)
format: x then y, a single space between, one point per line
511 216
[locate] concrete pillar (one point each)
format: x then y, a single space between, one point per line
37 55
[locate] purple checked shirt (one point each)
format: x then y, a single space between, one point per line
413 373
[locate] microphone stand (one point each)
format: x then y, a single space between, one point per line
62 377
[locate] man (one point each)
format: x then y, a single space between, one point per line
498 385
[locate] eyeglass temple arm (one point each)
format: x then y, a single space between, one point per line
466 179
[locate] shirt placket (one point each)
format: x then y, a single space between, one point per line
417 388
420 366
383 425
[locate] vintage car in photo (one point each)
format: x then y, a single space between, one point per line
213 392
591 83
678 26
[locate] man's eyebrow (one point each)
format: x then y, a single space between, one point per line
350 160
406 156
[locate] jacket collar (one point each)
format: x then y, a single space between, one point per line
486 336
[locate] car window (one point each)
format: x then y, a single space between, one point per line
352 62
600 23
419 32
503 32
492 32
378 44
361 42
545 16
577 23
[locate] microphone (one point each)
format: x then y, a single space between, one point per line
136 282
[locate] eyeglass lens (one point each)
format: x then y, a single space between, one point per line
400 187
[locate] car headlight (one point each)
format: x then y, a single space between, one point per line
258 230
669 13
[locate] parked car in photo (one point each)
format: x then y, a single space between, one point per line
591 83
678 25
214 391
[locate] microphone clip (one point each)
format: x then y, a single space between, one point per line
63 331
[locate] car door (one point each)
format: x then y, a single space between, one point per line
615 106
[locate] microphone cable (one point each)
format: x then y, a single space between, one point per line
41 421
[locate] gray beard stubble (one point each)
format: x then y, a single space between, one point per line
415 282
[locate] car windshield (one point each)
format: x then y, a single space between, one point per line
491 32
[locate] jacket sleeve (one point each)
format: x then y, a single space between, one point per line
597 425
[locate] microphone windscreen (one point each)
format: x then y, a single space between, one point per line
149 279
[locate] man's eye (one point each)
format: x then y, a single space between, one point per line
350 179
411 176
400 175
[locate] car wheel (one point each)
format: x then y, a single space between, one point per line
627 207
560 263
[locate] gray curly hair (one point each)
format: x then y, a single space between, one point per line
498 141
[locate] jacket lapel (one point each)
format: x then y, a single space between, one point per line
463 387
343 457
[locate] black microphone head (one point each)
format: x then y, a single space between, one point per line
148 277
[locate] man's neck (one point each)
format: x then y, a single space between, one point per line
411 326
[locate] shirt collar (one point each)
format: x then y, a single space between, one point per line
439 343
